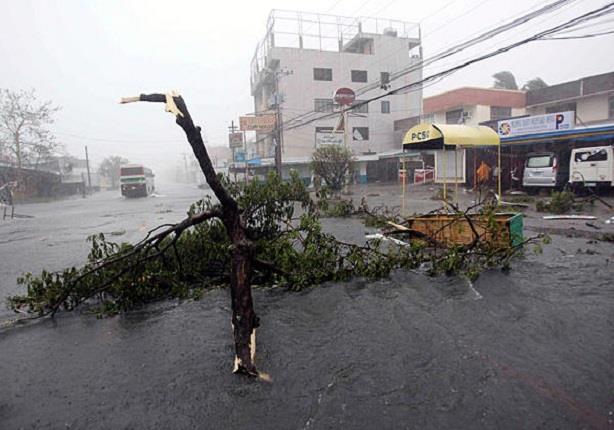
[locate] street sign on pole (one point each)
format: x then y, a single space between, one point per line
344 96
257 123
235 140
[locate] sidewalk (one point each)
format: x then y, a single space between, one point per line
419 199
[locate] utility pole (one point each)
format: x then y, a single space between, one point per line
278 120
87 165
185 166
278 125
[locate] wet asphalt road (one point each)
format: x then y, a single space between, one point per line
532 349
53 235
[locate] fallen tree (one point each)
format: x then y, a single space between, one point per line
260 233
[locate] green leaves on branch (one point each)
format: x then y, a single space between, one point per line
287 245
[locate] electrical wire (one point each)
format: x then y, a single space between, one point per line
453 50
98 139
595 13
582 36
469 43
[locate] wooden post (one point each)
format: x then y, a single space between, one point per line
403 188
499 171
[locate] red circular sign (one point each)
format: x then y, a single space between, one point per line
344 96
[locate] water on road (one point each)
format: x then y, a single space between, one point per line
531 349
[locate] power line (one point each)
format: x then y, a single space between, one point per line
602 11
376 83
457 18
444 7
100 139
471 42
582 36
453 50
506 39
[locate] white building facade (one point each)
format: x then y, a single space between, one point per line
305 58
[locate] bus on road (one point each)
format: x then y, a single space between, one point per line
136 180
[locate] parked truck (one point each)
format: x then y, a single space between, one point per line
592 167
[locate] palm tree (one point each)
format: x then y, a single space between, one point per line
505 80
534 84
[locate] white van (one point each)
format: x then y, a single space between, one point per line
592 167
545 170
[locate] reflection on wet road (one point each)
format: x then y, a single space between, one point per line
535 351
531 349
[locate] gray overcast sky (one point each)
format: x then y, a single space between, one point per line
85 55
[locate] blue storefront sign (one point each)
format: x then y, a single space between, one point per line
239 156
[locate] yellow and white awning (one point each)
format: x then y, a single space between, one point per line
435 136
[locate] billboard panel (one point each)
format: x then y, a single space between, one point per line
536 124
257 123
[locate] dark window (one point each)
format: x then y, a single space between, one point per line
454 116
324 129
539 161
500 112
593 155
564 107
359 76
322 74
611 113
130 171
384 77
360 133
323 105
361 107
385 106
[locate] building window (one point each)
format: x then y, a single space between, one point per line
500 112
360 133
385 106
384 78
454 116
359 76
323 105
611 110
322 74
361 108
428 118
563 107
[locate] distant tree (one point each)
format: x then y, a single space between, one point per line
534 84
332 163
505 80
24 136
109 168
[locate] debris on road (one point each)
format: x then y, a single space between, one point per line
572 217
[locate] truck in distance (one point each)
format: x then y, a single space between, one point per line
136 180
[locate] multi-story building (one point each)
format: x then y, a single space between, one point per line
305 57
591 98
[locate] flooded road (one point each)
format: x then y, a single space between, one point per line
533 349
52 235
530 349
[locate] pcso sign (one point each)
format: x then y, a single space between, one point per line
536 124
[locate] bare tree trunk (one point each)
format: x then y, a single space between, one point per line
18 156
244 319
